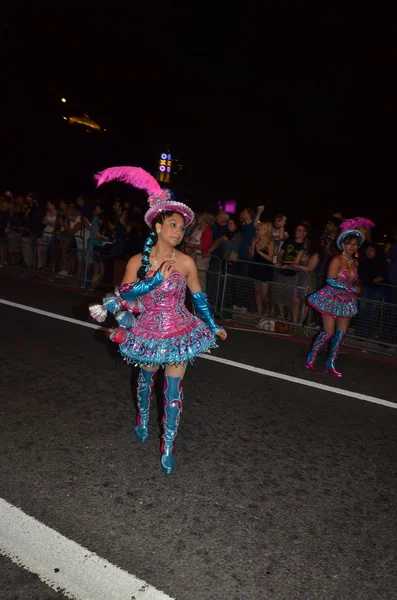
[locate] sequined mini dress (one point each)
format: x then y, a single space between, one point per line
165 332
336 302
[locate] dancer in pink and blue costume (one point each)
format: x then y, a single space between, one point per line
164 334
336 301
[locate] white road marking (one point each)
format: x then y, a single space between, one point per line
231 363
262 331
307 382
45 313
64 565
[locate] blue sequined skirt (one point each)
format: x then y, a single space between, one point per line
144 349
333 302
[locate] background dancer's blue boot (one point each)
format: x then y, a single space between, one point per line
172 411
319 341
145 387
334 347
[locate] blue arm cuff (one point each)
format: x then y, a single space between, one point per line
204 311
339 286
140 288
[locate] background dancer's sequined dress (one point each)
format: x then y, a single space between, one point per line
337 302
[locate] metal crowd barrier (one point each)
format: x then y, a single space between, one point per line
47 258
264 292
62 262
211 281
244 291
376 320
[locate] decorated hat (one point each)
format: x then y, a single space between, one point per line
351 227
345 234
160 200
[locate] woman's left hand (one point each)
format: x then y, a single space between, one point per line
222 334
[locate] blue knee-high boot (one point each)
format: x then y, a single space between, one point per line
172 411
322 338
146 381
333 351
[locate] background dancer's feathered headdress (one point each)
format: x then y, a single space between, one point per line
356 223
160 200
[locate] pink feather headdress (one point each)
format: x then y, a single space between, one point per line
357 222
135 176
160 200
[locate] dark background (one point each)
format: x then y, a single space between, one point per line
293 108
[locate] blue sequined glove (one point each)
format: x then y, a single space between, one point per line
339 286
204 311
133 291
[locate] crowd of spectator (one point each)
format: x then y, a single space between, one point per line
296 263
66 237
63 237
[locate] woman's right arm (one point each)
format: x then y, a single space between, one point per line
132 268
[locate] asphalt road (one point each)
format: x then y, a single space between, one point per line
281 491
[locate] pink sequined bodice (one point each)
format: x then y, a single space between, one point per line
164 312
348 280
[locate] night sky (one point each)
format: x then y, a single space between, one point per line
293 109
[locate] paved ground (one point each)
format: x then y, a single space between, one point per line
281 492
